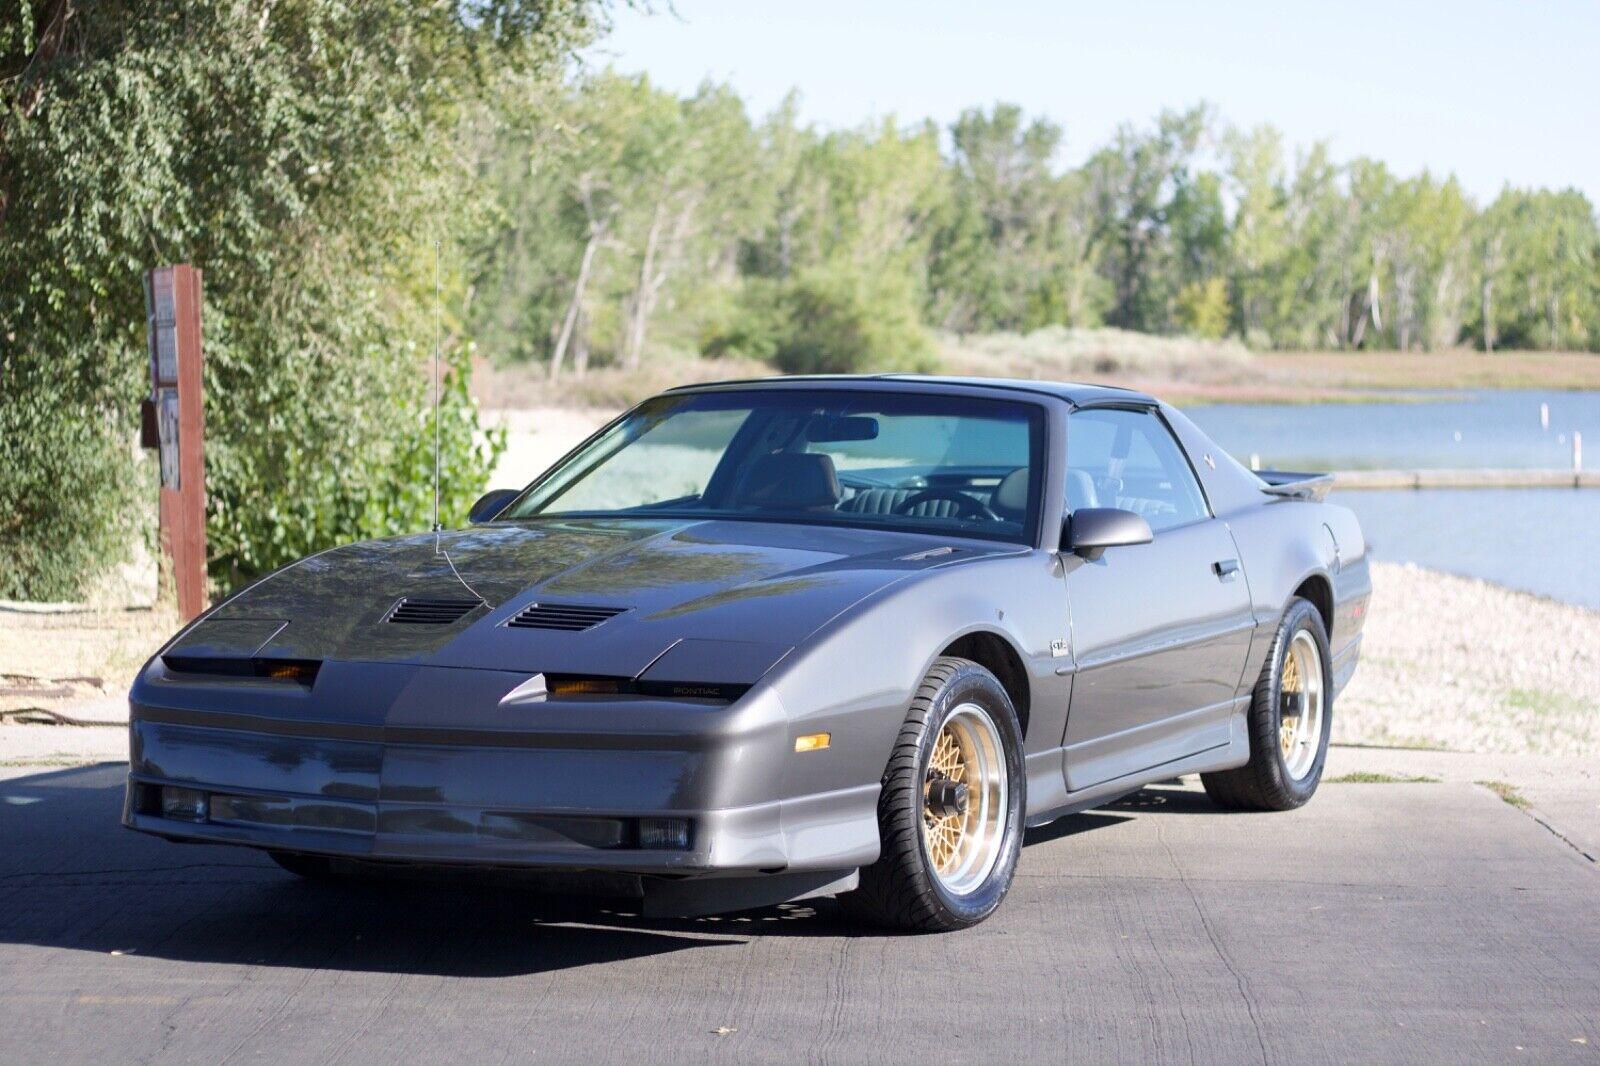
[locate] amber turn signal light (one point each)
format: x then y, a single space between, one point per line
812 741
584 686
302 672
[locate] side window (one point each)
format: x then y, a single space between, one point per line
1129 459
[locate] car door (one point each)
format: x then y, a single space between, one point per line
1160 631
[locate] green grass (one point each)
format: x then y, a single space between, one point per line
1507 792
1536 701
1368 777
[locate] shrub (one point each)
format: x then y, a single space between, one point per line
302 155
68 492
1203 308
740 323
846 321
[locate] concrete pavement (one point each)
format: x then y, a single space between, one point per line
1384 922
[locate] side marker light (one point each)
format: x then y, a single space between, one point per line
812 741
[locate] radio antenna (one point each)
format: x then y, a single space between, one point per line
438 347
438 384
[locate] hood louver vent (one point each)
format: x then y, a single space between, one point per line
567 617
415 612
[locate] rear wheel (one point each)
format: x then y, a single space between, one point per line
1289 721
951 810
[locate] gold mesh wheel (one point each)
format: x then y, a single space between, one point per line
962 840
1300 706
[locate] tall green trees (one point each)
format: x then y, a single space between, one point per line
304 155
1537 257
1134 184
709 230
646 203
1003 255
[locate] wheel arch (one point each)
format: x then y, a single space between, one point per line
1318 589
994 652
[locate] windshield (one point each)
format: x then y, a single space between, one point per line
925 463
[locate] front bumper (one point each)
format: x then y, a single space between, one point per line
423 766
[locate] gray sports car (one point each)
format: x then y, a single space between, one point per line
758 641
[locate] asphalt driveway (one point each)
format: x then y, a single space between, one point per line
1384 922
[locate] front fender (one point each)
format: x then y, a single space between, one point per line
856 677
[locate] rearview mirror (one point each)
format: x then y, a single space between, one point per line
842 428
490 504
1091 530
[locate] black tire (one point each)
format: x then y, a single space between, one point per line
901 891
1264 783
309 867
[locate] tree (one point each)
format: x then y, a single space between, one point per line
996 254
709 221
1318 271
694 192
1540 292
1258 242
303 155
1132 185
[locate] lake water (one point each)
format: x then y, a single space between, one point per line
1545 541
1460 429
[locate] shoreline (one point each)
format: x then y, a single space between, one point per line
1466 665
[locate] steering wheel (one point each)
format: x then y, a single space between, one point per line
966 506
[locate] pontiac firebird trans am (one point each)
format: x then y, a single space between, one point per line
759 641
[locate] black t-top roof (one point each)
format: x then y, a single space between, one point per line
1078 394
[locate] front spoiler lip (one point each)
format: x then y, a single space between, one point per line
670 884
334 845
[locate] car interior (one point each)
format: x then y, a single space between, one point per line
911 462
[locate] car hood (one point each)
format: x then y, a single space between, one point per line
736 595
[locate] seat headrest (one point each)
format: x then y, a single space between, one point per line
789 481
1011 495
1080 490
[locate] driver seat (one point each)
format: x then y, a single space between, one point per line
789 481
889 501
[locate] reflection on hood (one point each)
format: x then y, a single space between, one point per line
675 578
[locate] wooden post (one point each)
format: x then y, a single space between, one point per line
172 301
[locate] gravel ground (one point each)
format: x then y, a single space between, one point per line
1460 664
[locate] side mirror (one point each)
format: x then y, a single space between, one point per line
490 504
1091 530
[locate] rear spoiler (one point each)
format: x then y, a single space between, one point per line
1295 485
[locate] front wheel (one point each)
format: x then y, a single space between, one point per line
1289 721
951 810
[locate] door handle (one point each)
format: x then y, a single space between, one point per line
1225 569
